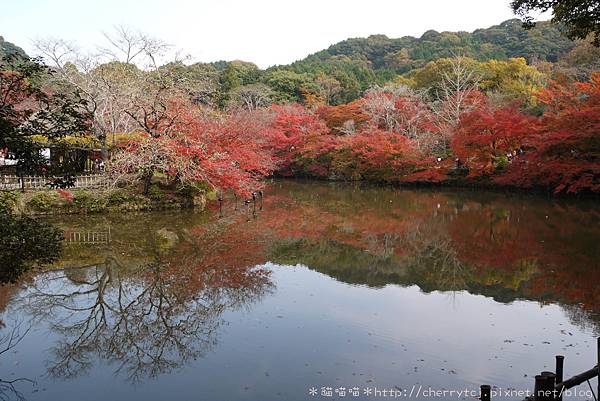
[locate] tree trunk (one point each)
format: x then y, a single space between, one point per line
148 181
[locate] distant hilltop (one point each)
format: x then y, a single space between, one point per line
345 70
8 49
509 39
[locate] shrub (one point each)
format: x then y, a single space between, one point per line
46 201
89 201
155 193
117 197
9 200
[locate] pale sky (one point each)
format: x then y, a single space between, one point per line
265 32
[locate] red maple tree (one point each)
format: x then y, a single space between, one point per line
564 152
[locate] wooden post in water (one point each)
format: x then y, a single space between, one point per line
560 363
544 387
551 383
486 393
537 387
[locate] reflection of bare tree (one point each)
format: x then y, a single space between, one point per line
431 250
146 323
8 389
383 245
586 320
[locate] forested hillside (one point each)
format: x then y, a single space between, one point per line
346 69
343 72
501 106
358 63
506 40
8 49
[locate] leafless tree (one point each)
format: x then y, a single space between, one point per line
8 388
129 46
330 88
103 86
124 82
251 97
455 94
402 110
348 127
380 105
145 324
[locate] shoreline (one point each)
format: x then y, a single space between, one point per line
52 202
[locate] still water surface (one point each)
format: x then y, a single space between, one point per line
320 285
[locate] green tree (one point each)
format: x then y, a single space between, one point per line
9 50
287 85
237 73
24 242
27 110
581 17
511 79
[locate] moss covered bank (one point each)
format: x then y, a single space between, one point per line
86 201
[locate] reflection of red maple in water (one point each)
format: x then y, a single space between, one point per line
505 236
347 221
493 236
499 236
217 255
503 241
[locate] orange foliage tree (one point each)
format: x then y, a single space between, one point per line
488 138
564 152
225 153
375 155
345 118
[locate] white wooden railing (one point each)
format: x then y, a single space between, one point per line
87 237
33 183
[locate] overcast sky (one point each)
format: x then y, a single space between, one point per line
260 31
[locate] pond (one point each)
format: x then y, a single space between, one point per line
333 289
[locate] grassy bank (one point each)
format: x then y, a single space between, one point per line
87 201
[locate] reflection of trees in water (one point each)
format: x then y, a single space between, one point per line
383 245
504 247
147 323
24 242
10 336
586 320
486 244
421 256
431 254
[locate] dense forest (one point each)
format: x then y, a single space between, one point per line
500 106
345 70
8 50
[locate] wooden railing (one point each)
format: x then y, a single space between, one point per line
34 183
87 237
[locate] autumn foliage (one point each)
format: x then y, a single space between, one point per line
298 139
224 153
492 144
344 118
388 136
488 138
564 152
